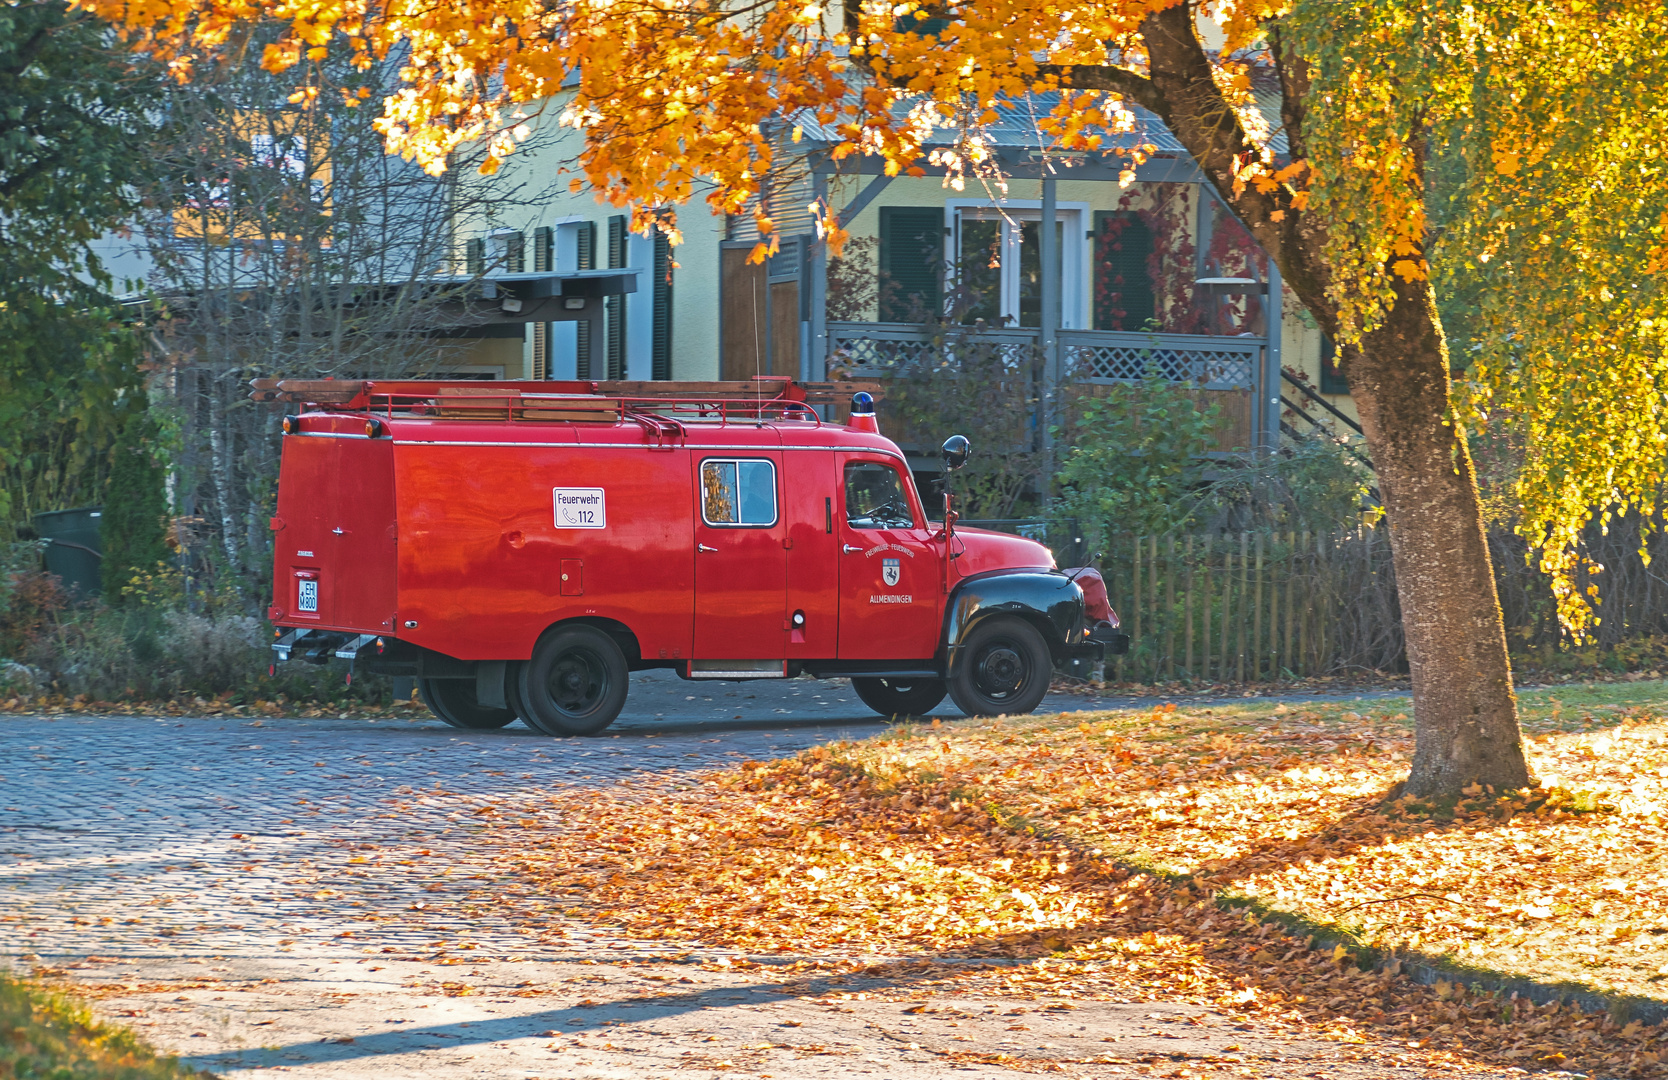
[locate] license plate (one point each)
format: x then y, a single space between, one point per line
307 596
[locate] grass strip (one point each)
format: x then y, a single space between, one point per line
54 1036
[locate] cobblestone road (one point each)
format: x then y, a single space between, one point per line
300 895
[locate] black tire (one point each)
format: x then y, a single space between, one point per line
453 700
1003 668
576 682
900 697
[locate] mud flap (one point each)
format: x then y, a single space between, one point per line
489 684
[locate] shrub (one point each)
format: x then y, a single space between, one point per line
1136 460
133 529
140 653
30 598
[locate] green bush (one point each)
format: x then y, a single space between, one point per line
1137 465
154 646
1135 460
134 528
141 652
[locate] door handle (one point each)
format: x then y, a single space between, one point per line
703 547
848 549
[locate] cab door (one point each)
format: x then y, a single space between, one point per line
890 576
741 564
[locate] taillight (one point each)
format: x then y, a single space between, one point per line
373 428
292 424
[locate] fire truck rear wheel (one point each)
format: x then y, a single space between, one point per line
453 700
900 697
576 682
1003 668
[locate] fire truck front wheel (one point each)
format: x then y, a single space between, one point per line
576 682
1003 668
899 697
453 700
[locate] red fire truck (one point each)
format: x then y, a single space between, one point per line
520 548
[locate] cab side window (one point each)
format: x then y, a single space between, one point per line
739 492
875 497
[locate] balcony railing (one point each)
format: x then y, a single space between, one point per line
1206 362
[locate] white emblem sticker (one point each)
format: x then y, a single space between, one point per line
580 508
890 571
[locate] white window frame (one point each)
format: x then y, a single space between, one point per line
775 493
1074 218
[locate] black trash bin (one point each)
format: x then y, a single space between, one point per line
75 554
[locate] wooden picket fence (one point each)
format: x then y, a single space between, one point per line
1280 604
1255 606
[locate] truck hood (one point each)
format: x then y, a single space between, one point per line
983 551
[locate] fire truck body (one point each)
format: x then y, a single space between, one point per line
454 542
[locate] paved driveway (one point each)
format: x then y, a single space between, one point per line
302 896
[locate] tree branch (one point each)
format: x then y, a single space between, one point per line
1293 72
1106 77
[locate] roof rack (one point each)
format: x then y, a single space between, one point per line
764 397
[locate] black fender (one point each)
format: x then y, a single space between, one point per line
1049 600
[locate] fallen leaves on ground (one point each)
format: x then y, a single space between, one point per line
1558 883
892 847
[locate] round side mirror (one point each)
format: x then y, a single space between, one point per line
956 449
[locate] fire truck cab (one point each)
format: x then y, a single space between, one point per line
520 548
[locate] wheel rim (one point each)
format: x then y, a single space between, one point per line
578 681
999 671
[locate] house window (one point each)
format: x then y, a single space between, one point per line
911 257
1123 284
1332 379
996 258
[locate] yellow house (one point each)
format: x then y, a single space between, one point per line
1147 273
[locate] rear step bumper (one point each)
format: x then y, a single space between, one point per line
318 646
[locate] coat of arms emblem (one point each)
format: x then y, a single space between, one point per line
890 571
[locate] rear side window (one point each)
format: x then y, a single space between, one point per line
738 492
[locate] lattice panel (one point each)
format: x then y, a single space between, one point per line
886 353
872 352
1202 366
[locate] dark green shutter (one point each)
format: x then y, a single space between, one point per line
474 257
1123 280
515 253
586 245
585 251
543 333
615 306
543 240
660 348
911 261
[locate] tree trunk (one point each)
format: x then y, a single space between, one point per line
220 467
1465 712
